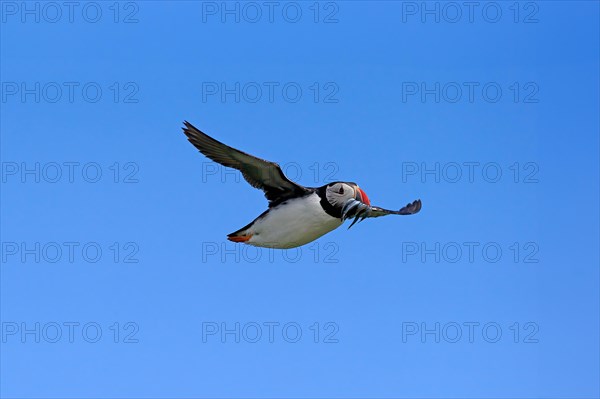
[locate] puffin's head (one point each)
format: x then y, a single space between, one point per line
338 194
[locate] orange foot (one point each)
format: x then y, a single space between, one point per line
239 238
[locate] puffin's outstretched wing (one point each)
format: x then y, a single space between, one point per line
261 174
360 211
409 209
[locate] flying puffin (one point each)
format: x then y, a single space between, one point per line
297 215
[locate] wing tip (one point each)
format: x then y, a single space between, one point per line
188 128
414 207
193 134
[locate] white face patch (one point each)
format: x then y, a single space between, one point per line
338 193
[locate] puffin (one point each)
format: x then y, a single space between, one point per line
296 215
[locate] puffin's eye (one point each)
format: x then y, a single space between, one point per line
341 190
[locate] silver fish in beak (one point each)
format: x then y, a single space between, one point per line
356 207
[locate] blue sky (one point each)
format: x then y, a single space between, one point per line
116 277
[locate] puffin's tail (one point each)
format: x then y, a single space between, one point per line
242 235
239 237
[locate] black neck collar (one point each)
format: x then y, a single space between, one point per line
331 210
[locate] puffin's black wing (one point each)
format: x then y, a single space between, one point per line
360 211
409 209
259 173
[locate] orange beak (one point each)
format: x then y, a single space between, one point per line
361 196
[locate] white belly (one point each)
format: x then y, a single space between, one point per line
296 223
